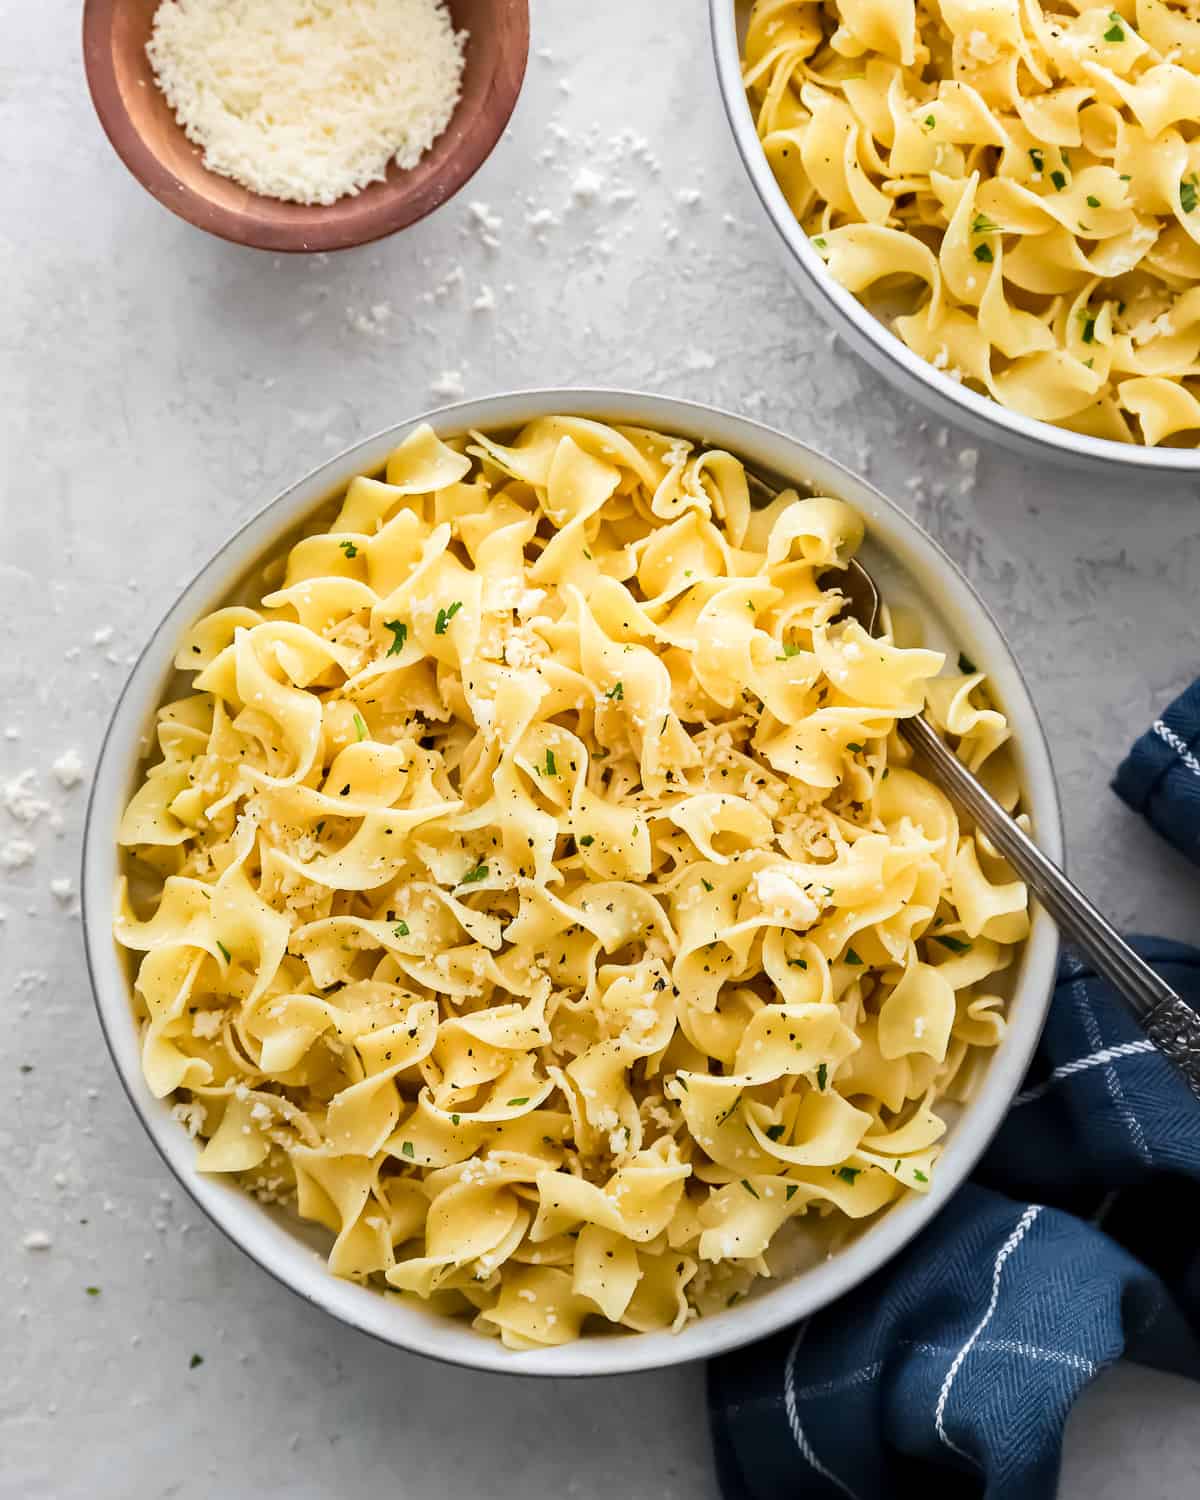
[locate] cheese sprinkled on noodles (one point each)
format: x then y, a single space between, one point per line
533 884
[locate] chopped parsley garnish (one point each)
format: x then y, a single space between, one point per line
1093 201
1116 32
774 1132
1187 194
797 963
444 616
473 877
789 650
320 828
401 929
224 951
551 767
512 1103
749 1186
360 727
751 606
587 840
847 1174
349 549
707 884
852 957
454 1119
981 224
965 665
955 945
791 1188
1089 330
407 1148
1037 158
929 122
820 242
919 1175
1059 179
854 748
616 692
984 253
92 1291
822 1076
399 635
196 1359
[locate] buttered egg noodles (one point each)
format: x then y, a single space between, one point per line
533 888
1021 179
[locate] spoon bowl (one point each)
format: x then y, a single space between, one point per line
150 141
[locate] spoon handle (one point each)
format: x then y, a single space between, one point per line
1169 1022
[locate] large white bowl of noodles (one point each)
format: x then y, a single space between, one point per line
868 333
917 576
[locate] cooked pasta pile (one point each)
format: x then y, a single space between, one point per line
533 885
1025 177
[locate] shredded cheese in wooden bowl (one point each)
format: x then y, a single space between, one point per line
308 100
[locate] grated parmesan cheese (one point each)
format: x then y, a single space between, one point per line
308 100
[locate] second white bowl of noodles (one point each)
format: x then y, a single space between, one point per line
869 336
915 574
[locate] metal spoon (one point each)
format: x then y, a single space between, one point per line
1168 1021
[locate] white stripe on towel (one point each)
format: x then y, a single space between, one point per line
1009 1245
1179 745
1081 1064
789 1403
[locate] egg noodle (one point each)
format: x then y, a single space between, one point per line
533 884
1015 187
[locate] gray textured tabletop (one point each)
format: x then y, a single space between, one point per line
156 386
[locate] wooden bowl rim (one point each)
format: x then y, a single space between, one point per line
382 214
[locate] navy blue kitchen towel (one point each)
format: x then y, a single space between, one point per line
1160 777
1076 1243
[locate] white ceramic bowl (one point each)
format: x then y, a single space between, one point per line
879 346
912 568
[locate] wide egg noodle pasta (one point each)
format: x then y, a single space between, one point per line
533 890
1013 186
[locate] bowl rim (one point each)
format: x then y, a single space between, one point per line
382 216
244 1221
871 337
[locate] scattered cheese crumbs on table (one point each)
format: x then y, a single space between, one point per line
62 889
20 799
308 100
487 223
37 1239
68 769
448 385
15 853
587 185
486 300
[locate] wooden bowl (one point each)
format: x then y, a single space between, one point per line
141 126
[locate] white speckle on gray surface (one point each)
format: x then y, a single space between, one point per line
158 386
68 769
